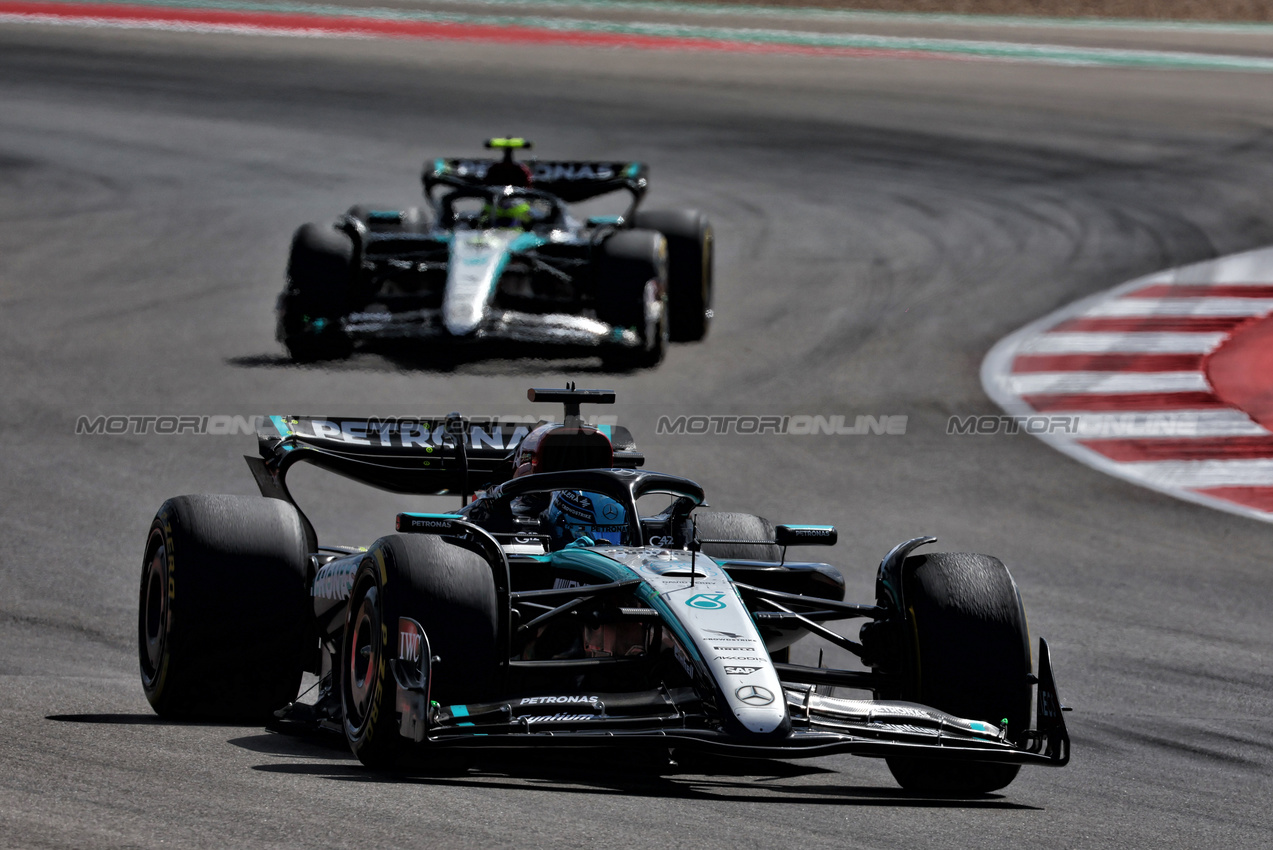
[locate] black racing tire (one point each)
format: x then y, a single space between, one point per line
450 591
724 525
318 294
632 293
968 654
410 220
225 620
691 260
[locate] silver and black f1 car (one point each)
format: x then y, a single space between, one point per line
551 611
498 258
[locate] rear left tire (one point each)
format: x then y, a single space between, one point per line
224 615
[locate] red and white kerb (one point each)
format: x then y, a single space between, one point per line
1167 381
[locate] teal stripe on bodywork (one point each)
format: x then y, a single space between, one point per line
284 430
523 242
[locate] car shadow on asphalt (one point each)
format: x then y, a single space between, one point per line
627 773
436 361
140 720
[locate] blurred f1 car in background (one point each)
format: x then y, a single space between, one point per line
497 257
551 610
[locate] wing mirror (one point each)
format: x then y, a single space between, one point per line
806 535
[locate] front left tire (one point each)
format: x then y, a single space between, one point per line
967 653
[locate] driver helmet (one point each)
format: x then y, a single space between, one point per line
573 514
506 211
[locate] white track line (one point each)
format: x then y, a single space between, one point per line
1183 307
1122 343
1197 474
1041 383
1175 423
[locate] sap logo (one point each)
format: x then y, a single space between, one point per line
740 671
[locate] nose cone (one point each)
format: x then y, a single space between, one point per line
760 710
461 317
477 259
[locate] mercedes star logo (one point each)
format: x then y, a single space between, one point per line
754 695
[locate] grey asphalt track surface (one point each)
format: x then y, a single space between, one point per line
881 224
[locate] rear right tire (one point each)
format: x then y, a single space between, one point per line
450 591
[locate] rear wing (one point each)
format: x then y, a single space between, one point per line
411 455
571 181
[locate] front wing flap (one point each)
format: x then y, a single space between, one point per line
821 725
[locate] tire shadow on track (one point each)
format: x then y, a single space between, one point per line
703 779
138 720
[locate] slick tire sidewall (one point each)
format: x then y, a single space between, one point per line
450 591
224 615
